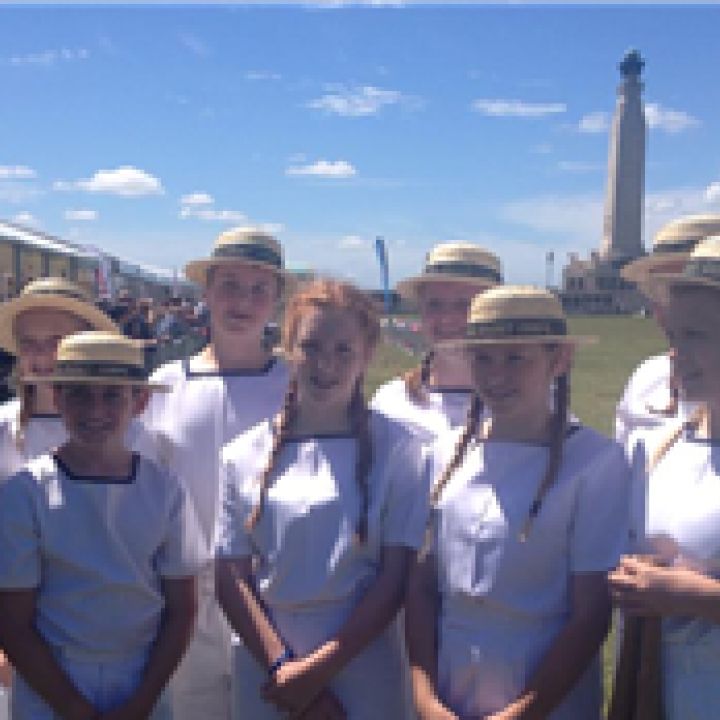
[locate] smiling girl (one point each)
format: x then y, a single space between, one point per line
322 510
671 582
508 606
436 395
232 384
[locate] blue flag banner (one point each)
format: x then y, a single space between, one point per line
381 252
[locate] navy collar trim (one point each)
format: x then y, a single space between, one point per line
100 479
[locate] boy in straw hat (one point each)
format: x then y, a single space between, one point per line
673 574
97 551
508 606
232 384
649 398
436 395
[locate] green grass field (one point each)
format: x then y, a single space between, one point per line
599 376
600 373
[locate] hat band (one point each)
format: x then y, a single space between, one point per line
708 268
675 247
259 253
94 369
464 269
57 292
516 327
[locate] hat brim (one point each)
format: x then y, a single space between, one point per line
662 283
196 270
408 289
11 309
641 270
521 340
95 380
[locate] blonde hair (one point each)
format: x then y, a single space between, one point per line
558 429
334 295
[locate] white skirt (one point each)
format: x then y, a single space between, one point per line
373 686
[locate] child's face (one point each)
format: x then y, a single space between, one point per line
329 354
444 309
37 335
99 414
241 299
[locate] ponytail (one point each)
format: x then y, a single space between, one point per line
360 424
418 379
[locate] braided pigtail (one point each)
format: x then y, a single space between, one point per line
557 438
692 423
282 424
360 422
470 431
418 379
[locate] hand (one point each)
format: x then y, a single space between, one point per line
642 586
325 707
293 687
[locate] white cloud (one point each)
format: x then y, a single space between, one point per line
81 215
197 198
212 214
126 181
25 218
359 101
324 168
352 242
260 75
50 57
16 172
667 119
712 192
594 122
516 108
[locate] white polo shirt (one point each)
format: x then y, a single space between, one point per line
96 550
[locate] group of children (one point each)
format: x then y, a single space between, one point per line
241 535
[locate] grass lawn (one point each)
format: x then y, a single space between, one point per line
599 376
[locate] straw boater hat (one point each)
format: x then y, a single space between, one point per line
50 294
99 358
517 314
672 244
701 270
455 262
245 245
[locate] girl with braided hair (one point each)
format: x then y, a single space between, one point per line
508 604
669 585
322 509
435 395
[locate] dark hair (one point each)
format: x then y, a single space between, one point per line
417 379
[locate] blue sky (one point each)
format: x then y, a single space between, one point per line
148 130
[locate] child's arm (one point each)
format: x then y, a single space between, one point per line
297 682
33 659
5 670
173 638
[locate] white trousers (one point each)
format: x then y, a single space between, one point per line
106 684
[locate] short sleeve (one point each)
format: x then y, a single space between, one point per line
600 527
233 539
406 512
184 552
20 562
